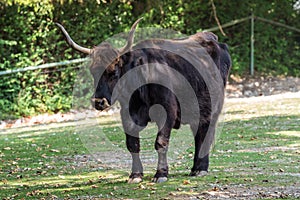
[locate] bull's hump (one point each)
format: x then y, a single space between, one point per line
167 44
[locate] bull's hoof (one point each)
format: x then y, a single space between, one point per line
160 179
161 176
198 173
135 178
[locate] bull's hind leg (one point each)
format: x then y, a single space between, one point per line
161 146
133 146
203 139
169 112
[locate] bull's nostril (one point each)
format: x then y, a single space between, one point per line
101 102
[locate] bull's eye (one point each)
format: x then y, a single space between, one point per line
113 74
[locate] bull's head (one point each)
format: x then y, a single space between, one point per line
105 66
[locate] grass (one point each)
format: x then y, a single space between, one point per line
256 156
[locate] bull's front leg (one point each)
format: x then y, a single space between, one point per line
161 146
132 125
133 146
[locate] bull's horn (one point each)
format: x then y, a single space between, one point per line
72 43
130 37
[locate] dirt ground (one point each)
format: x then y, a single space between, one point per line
243 192
261 86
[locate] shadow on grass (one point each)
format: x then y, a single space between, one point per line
250 152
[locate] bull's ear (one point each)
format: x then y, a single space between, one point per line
113 65
210 36
210 46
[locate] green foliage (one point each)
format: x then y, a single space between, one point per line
29 37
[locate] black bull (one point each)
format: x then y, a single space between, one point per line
170 82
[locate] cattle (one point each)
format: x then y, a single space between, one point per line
159 75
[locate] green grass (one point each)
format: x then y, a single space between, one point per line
256 154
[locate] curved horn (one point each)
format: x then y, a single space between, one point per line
72 43
130 37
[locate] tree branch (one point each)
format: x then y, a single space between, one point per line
216 17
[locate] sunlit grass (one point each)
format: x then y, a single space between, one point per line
287 133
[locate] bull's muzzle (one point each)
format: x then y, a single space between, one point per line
100 104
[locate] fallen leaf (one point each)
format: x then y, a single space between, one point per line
254 138
172 194
44 156
34 193
150 184
19 176
281 170
61 176
54 150
186 182
142 187
14 196
38 149
14 163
